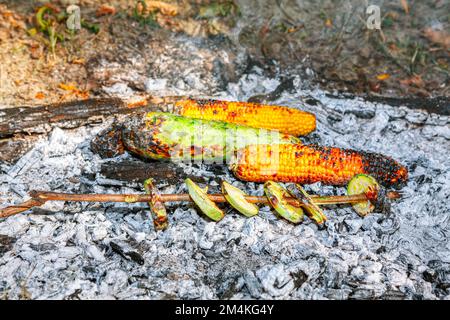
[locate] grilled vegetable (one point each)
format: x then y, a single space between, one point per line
276 195
200 198
284 119
363 183
160 135
312 210
236 198
310 163
157 207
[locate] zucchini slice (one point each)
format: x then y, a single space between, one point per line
363 183
157 207
313 211
200 198
236 198
276 195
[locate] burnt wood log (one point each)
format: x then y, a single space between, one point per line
73 114
12 149
138 171
21 126
42 119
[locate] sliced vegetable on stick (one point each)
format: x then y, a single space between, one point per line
201 199
277 195
236 198
157 207
312 210
364 184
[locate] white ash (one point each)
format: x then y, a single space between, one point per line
111 250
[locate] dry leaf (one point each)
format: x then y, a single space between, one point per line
35 51
165 8
81 61
375 86
40 95
328 23
74 90
138 102
414 80
104 10
405 6
383 76
67 87
438 37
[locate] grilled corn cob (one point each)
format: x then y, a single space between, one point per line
306 164
158 135
284 119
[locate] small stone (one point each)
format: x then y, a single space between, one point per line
126 251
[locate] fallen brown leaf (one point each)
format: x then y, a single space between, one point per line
73 90
81 61
40 95
383 76
413 81
374 86
104 10
405 6
140 102
163 7
439 37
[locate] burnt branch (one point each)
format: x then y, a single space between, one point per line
73 114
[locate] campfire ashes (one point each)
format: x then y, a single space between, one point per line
111 250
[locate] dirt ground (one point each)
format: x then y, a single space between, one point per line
327 42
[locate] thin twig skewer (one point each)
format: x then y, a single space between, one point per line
38 198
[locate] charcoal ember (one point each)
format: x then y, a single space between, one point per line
299 277
6 243
126 251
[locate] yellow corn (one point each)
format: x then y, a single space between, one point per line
310 163
286 120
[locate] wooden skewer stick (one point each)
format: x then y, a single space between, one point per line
38 198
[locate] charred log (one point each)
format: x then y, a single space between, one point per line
138 171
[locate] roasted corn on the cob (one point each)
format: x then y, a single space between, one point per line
284 119
310 163
159 135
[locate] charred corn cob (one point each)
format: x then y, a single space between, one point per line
284 119
158 135
306 164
